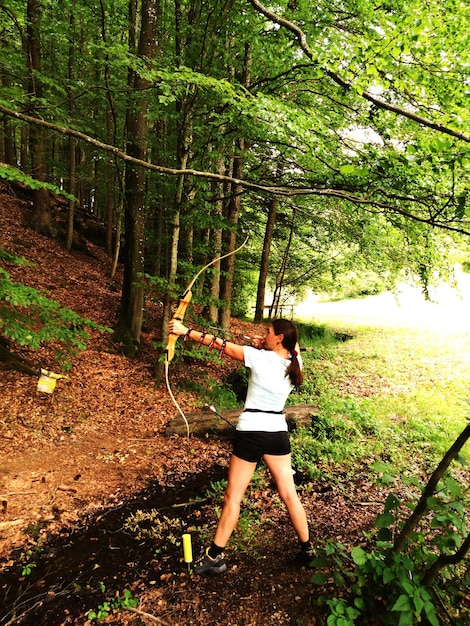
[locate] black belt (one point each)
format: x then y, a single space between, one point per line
263 411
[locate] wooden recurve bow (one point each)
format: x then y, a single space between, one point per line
179 315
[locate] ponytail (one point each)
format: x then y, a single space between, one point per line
287 328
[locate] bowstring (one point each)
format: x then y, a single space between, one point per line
167 380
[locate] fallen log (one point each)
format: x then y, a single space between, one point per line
207 424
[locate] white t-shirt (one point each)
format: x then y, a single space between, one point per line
268 388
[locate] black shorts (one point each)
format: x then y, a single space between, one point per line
252 445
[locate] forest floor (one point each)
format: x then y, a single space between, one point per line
76 466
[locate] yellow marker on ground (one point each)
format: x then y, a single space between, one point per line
47 381
187 548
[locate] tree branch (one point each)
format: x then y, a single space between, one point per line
286 192
443 560
152 618
422 506
379 102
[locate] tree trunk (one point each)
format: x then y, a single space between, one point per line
41 219
132 299
72 140
184 109
223 425
230 238
173 264
422 506
72 185
264 267
24 147
216 245
109 207
233 213
273 311
117 242
113 173
8 147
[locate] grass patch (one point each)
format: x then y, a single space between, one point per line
393 393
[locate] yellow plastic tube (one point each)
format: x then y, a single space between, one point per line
187 548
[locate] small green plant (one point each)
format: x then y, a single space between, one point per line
216 489
100 613
245 537
118 603
33 530
341 614
127 600
28 565
27 569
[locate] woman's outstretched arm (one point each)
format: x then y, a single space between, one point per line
231 349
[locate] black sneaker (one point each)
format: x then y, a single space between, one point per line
204 564
307 558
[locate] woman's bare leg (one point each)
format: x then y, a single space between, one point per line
239 476
281 470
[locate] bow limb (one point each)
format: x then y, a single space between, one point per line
170 349
179 315
219 258
186 299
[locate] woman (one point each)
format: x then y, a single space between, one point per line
261 433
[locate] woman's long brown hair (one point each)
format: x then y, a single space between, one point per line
287 328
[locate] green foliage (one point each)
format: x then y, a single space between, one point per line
6 255
366 175
107 607
346 432
244 287
341 614
237 381
380 580
30 318
222 398
27 564
101 613
14 174
217 489
27 569
311 335
356 284
211 392
341 434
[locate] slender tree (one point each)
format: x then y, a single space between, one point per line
41 219
72 141
234 207
143 39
